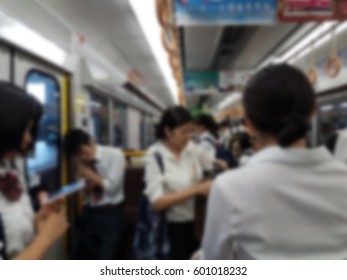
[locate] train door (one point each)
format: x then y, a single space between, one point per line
46 167
5 60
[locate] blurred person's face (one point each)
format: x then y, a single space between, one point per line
87 152
180 136
199 129
27 137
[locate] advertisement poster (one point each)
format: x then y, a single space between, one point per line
205 82
225 12
233 80
312 10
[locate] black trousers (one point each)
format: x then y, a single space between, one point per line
182 241
99 233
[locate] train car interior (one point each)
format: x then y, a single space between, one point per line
112 67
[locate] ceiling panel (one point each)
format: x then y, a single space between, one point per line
200 45
261 44
113 23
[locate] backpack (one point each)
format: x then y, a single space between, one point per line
222 153
151 240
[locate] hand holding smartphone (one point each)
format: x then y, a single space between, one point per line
65 191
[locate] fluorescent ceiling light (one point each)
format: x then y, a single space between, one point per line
314 39
323 40
20 35
146 14
232 100
307 41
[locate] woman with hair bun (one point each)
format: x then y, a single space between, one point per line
289 201
173 178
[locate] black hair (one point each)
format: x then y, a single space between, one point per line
224 123
279 100
17 109
74 140
208 122
172 118
245 141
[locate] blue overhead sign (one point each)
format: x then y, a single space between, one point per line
225 12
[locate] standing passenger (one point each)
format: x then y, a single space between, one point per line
101 225
289 201
207 130
22 234
173 188
213 155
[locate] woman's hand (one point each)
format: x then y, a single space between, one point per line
51 226
223 165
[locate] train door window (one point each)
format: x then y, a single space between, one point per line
332 116
99 119
119 125
43 164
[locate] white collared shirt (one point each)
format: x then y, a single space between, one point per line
111 167
17 217
178 175
284 204
206 150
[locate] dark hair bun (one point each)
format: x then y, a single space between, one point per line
291 129
279 101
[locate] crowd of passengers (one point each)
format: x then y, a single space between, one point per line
270 196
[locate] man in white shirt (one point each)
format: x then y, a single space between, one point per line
102 219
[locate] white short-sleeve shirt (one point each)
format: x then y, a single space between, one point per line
178 175
284 204
111 167
207 150
17 219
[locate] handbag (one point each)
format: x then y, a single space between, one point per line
151 240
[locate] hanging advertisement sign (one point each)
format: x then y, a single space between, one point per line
233 80
311 10
204 82
225 12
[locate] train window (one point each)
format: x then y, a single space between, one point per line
43 165
143 131
119 125
99 119
147 133
332 116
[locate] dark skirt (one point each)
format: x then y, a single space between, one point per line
183 243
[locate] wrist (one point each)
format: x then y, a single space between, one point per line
196 190
44 240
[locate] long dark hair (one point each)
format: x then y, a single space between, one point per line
172 118
208 123
17 109
279 100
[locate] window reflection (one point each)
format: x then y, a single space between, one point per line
99 119
119 125
43 164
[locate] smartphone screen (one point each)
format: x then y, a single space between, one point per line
66 191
